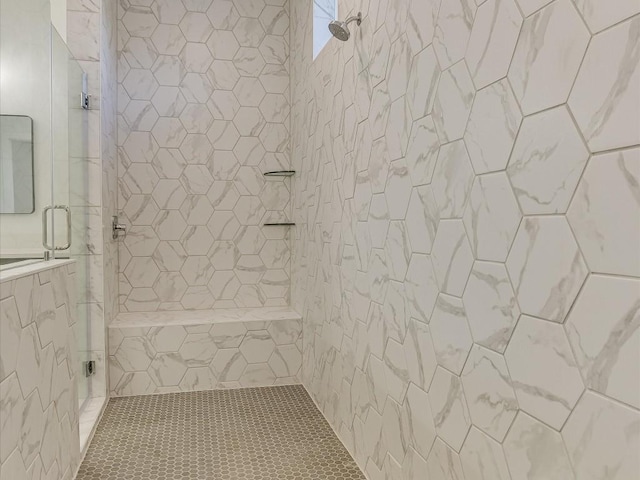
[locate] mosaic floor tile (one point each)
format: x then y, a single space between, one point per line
250 434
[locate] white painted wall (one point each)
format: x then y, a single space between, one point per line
59 17
25 90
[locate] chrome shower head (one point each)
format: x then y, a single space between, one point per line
340 30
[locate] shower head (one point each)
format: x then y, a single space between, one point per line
340 30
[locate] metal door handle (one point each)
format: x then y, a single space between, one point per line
45 229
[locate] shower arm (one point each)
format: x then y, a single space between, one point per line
354 18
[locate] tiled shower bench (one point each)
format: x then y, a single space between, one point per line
158 352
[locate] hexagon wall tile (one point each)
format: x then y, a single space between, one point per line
609 184
547 161
592 94
537 347
605 304
542 76
546 289
491 217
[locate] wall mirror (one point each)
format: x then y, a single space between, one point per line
16 164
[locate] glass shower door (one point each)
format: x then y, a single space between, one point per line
73 199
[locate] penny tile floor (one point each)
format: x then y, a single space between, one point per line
248 434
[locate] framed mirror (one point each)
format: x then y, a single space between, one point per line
16 164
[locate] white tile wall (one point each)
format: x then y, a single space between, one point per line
38 368
203 104
466 253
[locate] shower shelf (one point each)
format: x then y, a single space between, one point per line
280 173
281 224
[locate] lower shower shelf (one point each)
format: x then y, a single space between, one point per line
189 350
281 224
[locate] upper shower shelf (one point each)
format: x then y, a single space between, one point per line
280 173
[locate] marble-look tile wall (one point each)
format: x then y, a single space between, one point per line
147 360
466 255
203 105
38 368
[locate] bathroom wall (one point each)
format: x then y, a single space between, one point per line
466 253
59 17
25 62
203 112
38 368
